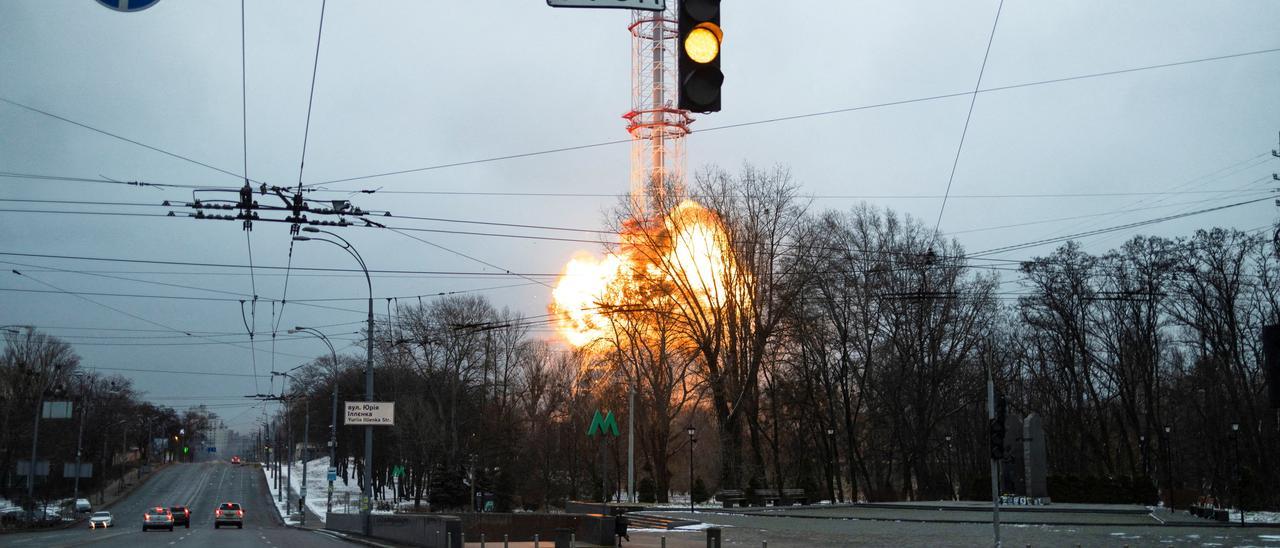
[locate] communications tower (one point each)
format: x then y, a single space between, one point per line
657 126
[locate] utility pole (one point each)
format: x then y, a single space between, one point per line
333 420
631 447
79 441
367 507
995 463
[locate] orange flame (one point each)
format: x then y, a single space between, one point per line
689 254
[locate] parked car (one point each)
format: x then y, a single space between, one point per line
181 516
157 518
228 513
100 519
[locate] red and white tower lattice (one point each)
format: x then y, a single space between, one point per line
656 125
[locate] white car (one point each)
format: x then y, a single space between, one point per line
100 519
82 505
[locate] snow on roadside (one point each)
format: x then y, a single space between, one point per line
282 505
345 495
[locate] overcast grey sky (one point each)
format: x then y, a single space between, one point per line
411 84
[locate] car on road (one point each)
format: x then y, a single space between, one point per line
181 516
100 519
228 513
82 505
235 460
157 518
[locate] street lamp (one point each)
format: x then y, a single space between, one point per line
1235 442
951 479
835 460
1168 462
306 426
368 370
691 431
333 420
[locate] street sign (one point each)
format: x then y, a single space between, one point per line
650 5
213 449
56 410
42 467
397 471
333 474
128 5
603 424
371 413
69 470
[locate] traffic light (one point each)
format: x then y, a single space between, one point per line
997 428
185 450
699 67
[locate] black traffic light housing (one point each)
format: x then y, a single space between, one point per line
997 428
699 81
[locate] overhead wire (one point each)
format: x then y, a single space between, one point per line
973 99
120 137
812 114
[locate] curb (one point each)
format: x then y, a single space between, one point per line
1214 525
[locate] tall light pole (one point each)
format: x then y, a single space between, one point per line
368 372
84 404
306 423
333 420
1235 441
835 461
691 431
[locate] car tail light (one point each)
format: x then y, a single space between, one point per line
240 513
218 512
146 516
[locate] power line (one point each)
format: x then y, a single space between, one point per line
130 314
495 194
174 371
964 132
122 138
814 114
311 96
1036 243
260 267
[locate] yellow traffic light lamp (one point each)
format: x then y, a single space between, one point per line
702 44
699 58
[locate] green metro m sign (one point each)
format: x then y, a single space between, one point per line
605 424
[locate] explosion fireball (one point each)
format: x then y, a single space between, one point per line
687 255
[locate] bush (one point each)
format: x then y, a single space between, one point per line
1102 490
699 493
647 491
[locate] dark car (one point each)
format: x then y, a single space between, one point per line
181 516
228 513
157 518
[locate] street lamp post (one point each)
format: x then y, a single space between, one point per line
691 431
75 493
368 371
1235 442
951 479
835 461
306 439
1168 462
333 420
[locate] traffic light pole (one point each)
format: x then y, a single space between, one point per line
995 463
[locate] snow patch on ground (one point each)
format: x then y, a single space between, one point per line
346 496
1269 537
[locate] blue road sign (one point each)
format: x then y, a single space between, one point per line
128 5
333 474
213 449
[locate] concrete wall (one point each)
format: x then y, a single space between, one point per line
430 531
589 528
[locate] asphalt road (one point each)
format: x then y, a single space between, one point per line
201 487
